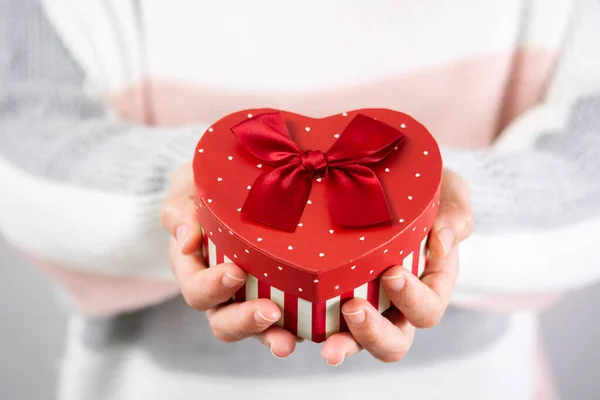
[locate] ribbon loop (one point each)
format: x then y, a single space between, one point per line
356 198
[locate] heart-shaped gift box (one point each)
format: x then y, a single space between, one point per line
309 271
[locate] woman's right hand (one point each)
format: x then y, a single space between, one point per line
210 289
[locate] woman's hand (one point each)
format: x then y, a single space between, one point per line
210 289
419 303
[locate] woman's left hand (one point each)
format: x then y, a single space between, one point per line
419 303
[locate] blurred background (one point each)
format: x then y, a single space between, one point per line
32 328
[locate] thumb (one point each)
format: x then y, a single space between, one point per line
455 221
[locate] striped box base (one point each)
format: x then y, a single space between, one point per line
315 321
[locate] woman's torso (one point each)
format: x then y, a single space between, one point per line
465 71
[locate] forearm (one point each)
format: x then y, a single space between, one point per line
536 209
75 168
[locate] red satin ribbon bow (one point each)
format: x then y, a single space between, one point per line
355 195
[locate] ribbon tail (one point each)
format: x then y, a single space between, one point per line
356 197
277 198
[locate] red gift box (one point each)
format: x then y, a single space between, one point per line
311 270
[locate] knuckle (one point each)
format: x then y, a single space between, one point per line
218 331
393 355
409 300
371 333
430 320
208 288
224 337
192 302
443 277
386 347
192 299
241 329
226 330
371 336
212 294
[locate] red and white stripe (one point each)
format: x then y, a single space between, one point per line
315 321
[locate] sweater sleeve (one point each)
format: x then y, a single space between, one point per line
535 193
80 189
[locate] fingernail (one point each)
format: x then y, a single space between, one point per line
446 237
261 319
356 317
336 365
230 281
181 235
395 283
275 355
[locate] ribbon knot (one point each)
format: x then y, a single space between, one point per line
314 162
355 196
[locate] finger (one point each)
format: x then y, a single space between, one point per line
178 217
386 341
423 302
281 342
178 212
189 234
204 288
339 346
237 321
186 229
455 221
180 190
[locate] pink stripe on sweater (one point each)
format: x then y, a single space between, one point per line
100 295
526 84
463 104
